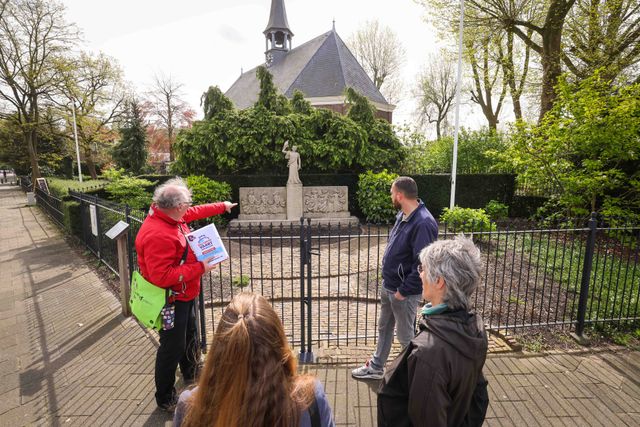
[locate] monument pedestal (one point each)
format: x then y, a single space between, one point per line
284 206
294 202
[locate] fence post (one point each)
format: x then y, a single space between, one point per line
309 355
130 242
202 319
84 211
303 261
124 273
584 284
98 227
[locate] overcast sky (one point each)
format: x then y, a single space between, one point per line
203 43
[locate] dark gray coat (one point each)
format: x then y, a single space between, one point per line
437 380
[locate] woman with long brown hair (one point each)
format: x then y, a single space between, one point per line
250 377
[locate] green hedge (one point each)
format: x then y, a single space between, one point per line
72 217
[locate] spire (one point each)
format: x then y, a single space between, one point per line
277 34
278 18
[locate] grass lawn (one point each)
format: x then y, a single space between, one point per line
614 286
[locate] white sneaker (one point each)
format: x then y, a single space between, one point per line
367 371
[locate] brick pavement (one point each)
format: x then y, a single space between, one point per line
69 358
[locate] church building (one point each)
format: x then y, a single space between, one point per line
321 69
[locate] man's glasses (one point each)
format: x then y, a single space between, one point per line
188 203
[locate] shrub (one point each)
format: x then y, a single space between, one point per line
130 191
373 196
241 281
496 210
113 174
206 190
72 218
466 220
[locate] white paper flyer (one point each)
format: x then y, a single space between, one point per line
207 245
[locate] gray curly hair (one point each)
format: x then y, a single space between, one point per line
172 193
458 262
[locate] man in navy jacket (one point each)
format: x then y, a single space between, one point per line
414 229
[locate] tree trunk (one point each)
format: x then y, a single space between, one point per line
438 131
551 68
30 141
552 52
91 166
510 76
170 129
492 120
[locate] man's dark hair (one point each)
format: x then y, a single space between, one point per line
407 186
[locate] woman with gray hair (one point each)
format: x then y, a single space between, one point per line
437 380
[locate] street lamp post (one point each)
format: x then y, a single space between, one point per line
454 165
75 134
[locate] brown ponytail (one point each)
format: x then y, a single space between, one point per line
250 376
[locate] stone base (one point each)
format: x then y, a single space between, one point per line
31 198
294 201
343 222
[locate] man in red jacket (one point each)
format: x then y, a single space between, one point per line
160 245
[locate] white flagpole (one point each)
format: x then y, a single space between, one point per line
454 166
75 134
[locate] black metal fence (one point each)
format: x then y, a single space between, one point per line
25 183
325 282
52 205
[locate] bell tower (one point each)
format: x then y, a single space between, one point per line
277 34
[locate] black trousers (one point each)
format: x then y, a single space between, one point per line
178 346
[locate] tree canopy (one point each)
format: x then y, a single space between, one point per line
587 147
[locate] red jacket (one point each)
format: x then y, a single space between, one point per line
160 245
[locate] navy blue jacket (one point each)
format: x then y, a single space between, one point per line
407 238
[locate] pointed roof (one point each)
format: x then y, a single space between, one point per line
278 17
322 67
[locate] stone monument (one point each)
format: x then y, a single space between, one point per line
286 205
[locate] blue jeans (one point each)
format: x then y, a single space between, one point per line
402 315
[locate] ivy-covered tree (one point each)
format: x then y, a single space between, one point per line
214 102
250 141
268 96
299 104
130 152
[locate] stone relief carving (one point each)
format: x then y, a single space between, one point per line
267 200
325 199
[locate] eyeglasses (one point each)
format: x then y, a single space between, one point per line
188 203
420 269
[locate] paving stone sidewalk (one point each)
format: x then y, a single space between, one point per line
68 357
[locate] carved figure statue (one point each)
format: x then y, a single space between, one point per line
295 164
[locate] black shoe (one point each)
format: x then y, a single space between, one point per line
169 406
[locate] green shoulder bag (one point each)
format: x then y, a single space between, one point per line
147 300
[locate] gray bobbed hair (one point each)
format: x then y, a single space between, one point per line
458 262
171 193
